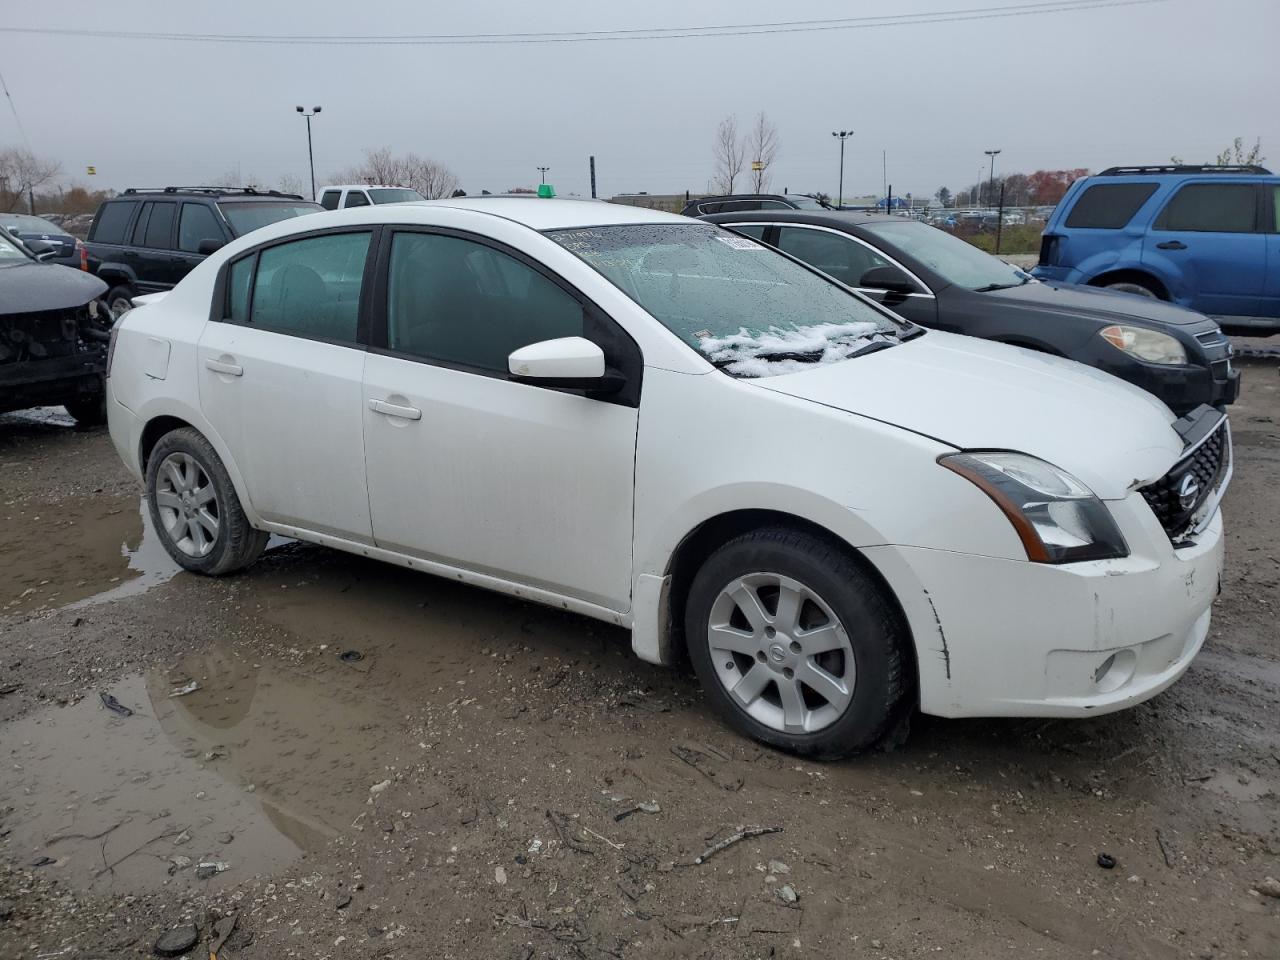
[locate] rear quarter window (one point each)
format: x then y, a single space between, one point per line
112 220
1109 206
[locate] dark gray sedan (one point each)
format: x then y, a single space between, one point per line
940 281
64 248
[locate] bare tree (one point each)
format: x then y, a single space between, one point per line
22 172
292 183
729 155
429 178
762 145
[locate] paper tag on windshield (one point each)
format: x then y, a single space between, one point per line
740 243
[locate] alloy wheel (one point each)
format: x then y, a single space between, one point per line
188 504
781 653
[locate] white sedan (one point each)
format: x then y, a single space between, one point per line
655 422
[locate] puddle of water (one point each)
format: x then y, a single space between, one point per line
149 561
256 765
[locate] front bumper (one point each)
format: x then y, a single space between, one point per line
1000 637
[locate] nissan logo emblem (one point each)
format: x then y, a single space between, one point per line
1188 491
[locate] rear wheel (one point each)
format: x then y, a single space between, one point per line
195 508
796 644
120 299
89 411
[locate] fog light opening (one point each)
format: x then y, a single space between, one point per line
1115 671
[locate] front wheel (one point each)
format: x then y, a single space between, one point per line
195 508
796 644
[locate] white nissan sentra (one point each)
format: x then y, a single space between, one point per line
650 420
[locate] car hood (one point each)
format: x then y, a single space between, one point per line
1108 306
975 394
32 287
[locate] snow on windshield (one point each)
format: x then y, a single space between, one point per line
745 354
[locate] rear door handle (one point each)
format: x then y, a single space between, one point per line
1171 245
395 410
221 366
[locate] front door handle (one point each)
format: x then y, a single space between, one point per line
395 410
1171 245
221 366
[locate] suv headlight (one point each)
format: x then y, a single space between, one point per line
1058 518
1144 344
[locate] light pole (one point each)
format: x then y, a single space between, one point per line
992 189
310 156
843 135
542 173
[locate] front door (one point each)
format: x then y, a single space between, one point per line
1208 235
468 468
280 381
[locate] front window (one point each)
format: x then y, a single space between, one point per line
948 256
10 251
806 203
745 307
394 195
248 215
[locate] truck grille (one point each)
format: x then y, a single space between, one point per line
1184 499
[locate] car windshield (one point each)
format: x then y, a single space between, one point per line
247 215
10 252
394 195
750 310
948 256
29 224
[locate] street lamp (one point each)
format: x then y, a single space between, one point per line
310 156
843 135
992 189
542 174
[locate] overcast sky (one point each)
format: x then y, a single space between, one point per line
1088 88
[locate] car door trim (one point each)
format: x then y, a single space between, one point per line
927 293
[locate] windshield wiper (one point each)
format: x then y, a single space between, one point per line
807 356
1004 286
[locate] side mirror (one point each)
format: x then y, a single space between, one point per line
206 247
885 277
573 363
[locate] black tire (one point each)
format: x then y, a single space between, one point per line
878 637
1134 287
89 411
119 299
236 544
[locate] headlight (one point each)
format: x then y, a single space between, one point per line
1058 518
1144 344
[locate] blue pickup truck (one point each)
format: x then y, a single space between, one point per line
1204 237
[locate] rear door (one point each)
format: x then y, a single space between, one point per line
280 379
150 253
1270 306
1210 236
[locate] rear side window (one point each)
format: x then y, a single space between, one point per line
311 287
329 199
1109 206
836 256
753 230
355 198
1212 208
197 223
159 226
112 222
238 284
461 302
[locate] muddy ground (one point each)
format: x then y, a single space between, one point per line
462 788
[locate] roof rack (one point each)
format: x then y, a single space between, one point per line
246 191
1250 168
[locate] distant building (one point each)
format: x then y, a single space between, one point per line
670 202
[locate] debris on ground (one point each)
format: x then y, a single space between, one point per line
114 705
743 834
704 761
211 868
185 689
221 931
788 893
176 942
1269 887
643 807
1106 861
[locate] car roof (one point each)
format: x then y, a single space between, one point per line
218 194
542 213
362 186
834 218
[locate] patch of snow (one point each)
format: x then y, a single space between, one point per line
743 353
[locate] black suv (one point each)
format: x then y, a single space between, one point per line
738 202
146 240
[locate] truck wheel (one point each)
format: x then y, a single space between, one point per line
1130 286
796 644
120 299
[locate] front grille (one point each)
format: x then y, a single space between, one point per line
1183 498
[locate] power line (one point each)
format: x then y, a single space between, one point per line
14 107
656 33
